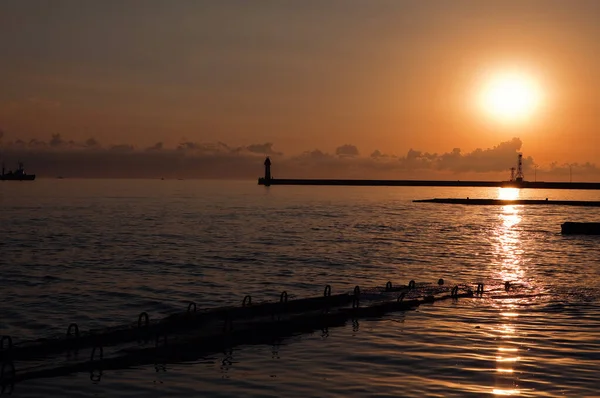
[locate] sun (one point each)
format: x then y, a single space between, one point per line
510 97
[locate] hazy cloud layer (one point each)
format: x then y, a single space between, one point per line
347 150
263 149
59 156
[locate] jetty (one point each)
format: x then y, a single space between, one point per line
507 202
516 181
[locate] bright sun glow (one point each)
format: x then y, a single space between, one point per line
510 97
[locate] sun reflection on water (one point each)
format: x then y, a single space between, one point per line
509 254
498 391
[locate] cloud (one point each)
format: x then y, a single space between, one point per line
347 150
498 158
313 155
123 148
56 140
575 172
207 148
415 160
263 149
377 154
92 143
190 159
37 144
156 147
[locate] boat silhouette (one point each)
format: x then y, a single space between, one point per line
17 175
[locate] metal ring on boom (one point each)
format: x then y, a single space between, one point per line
164 339
7 388
96 373
247 301
75 329
96 377
411 284
327 291
3 371
190 306
480 288
388 286
9 343
454 292
283 297
227 324
100 353
146 318
356 297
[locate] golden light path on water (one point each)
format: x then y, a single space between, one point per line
509 249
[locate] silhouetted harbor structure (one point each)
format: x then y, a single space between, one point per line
516 181
268 178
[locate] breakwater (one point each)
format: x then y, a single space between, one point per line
432 183
504 202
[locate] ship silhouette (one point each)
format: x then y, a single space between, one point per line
18 175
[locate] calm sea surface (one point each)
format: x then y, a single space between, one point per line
98 252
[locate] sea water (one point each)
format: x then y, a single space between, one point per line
99 252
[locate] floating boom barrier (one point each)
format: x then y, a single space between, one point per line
192 334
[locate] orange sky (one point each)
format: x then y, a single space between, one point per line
386 75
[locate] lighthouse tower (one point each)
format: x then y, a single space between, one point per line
267 171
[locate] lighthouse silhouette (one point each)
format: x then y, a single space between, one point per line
267 171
